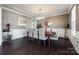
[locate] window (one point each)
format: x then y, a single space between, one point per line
73 21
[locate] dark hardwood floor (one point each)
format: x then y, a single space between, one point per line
23 46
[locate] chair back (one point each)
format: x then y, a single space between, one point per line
30 32
55 37
55 30
35 33
42 34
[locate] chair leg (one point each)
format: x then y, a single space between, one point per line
44 42
39 41
33 39
36 41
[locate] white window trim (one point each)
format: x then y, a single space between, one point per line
73 21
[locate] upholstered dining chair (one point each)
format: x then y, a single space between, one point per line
35 35
30 34
42 35
54 35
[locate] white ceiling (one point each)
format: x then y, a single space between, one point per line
47 9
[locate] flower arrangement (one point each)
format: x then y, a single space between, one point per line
39 26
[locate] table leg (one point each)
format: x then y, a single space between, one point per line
48 41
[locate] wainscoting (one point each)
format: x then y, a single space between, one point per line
18 33
74 40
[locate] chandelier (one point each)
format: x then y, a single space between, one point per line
40 18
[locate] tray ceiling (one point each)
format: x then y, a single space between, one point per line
41 9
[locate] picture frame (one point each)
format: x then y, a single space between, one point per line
22 21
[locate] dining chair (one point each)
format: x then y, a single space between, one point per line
48 29
42 35
54 35
35 35
30 34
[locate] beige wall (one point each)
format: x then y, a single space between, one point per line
12 18
77 24
58 21
70 20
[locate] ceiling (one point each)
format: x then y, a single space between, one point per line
41 9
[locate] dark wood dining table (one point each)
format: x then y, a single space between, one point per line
48 34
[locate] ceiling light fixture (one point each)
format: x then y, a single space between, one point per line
39 18
40 9
49 23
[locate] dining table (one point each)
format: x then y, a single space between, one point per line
48 34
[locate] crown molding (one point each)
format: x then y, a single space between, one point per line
69 9
17 12
62 13
57 14
28 13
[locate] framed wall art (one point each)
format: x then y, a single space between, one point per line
22 21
